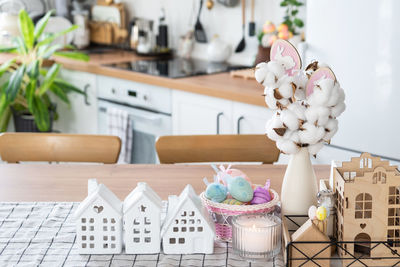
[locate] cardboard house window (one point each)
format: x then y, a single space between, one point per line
339 202
379 177
394 217
365 163
393 237
394 195
363 206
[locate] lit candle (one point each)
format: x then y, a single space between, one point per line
256 236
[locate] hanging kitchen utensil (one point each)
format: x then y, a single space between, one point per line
210 4
242 43
199 33
252 24
228 3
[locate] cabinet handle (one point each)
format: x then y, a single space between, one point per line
238 123
85 90
218 116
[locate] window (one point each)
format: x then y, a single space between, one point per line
394 217
339 202
365 163
172 240
393 235
363 206
394 195
379 177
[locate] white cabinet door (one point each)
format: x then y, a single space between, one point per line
250 119
199 114
81 117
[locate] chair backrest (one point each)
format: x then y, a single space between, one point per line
216 148
53 147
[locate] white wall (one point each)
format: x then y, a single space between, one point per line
226 22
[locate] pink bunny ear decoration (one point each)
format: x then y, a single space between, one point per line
285 53
321 73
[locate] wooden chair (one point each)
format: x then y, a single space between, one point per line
51 147
216 148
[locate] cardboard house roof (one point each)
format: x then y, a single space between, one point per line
141 190
175 205
101 191
307 230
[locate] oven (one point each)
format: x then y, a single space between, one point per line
148 108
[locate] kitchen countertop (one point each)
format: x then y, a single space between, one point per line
220 85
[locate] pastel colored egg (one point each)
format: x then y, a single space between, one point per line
240 189
261 195
232 201
321 213
312 212
216 192
283 35
235 173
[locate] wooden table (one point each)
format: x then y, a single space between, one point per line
67 182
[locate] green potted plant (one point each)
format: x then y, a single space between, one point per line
26 92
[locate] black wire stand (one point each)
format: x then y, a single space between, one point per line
350 257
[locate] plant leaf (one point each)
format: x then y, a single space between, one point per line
30 93
67 87
20 45
33 69
4 67
41 25
41 114
4 49
4 118
26 28
49 78
298 22
73 55
14 84
50 50
294 12
51 37
60 93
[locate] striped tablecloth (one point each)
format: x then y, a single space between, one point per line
43 234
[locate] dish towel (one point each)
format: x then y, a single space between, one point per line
119 125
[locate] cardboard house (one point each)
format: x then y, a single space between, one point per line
142 221
310 232
187 229
99 221
368 208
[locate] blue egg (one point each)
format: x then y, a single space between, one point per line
240 189
216 192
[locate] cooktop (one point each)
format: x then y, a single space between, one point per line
176 67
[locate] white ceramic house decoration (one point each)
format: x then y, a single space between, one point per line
187 228
99 221
142 221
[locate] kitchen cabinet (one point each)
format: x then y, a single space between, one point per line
250 119
198 114
81 116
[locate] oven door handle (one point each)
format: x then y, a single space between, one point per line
153 119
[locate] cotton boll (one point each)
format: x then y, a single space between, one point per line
329 134
321 92
270 79
313 149
311 133
290 119
318 114
274 123
287 146
261 72
300 79
338 109
335 95
298 110
276 68
284 102
300 93
286 90
271 102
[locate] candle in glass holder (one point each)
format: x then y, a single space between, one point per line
256 236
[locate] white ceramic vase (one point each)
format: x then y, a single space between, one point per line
299 188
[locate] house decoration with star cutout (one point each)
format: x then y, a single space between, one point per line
142 210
